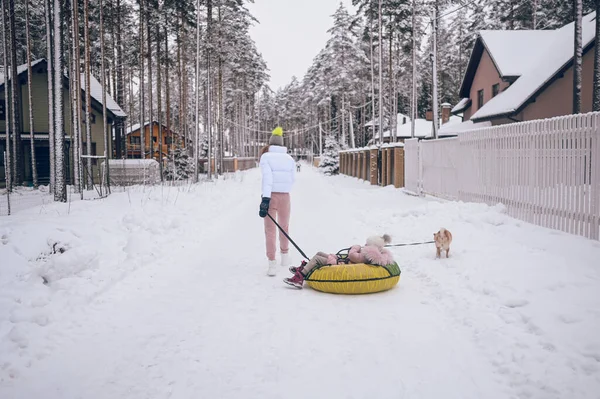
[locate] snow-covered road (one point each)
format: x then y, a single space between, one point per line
163 294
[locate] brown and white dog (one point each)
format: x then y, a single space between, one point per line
443 239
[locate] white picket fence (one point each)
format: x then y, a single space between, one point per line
545 172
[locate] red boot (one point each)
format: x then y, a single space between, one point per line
300 268
296 281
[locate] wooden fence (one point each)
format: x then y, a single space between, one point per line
380 166
545 172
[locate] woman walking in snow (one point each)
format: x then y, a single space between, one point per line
278 176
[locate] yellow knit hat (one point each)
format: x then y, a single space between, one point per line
277 137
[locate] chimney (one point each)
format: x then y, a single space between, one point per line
446 112
429 116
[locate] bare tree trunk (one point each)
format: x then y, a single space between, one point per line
60 191
180 83
142 94
577 65
196 146
76 102
208 85
130 119
159 100
393 131
119 131
107 146
413 109
88 96
7 154
150 83
170 145
220 106
372 79
34 174
380 77
15 91
596 100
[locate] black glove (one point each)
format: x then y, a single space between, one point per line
264 207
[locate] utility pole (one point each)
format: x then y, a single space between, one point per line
435 83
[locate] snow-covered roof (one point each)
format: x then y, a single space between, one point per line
553 55
95 89
20 69
375 122
136 126
513 50
461 106
96 93
423 128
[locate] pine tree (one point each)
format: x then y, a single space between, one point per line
50 76
88 97
34 173
578 56
60 191
15 98
330 160
180 165
596 90
8 156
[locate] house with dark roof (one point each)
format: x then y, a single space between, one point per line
523 75
133 140
41 124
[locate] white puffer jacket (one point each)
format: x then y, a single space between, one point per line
278 171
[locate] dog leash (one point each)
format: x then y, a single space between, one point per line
288 237
409 244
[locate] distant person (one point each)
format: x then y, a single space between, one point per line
278 176
298 166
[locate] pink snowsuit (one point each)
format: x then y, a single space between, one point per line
366 254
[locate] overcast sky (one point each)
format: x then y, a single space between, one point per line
291 33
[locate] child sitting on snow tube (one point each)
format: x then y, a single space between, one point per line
372 253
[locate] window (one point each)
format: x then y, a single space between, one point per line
168 140
495 90
92 116
154 139
135 139
480 99
2 111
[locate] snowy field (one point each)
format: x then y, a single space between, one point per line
162 293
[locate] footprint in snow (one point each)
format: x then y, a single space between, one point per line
569 319
516 303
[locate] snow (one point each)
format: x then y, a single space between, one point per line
20 69
461 106
375 122
456 128
555 54
161 293
514 50
96 93
423 128
135 127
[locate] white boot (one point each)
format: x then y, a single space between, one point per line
285 260
272 271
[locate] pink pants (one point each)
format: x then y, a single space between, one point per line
279 208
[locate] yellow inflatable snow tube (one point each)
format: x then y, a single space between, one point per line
352 279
